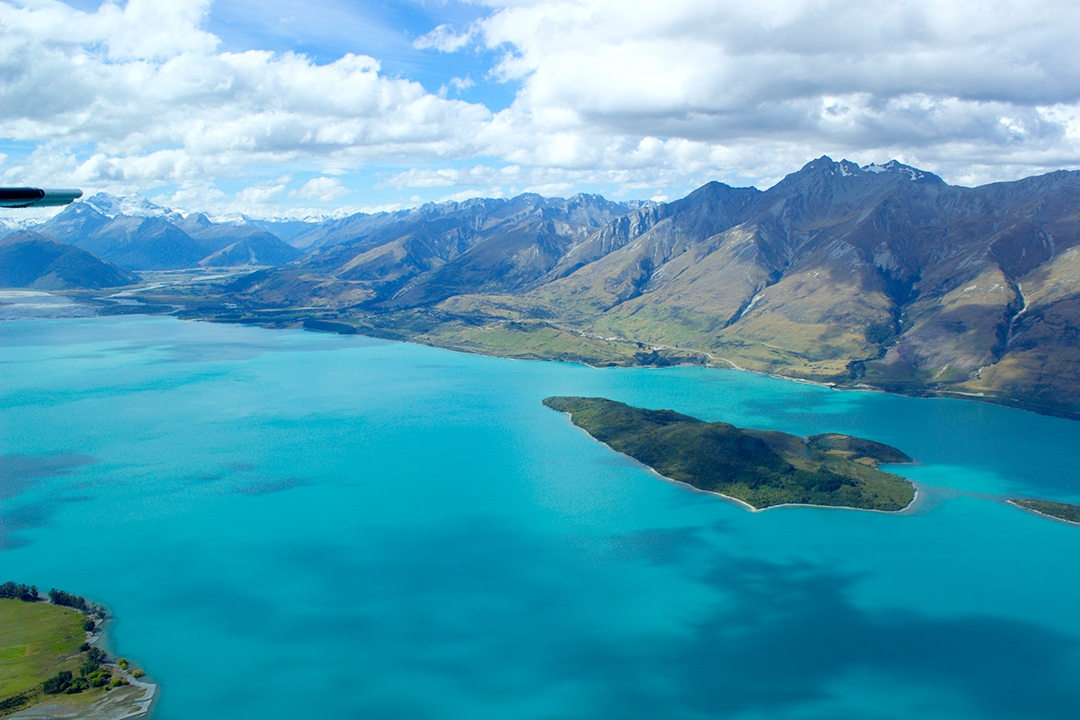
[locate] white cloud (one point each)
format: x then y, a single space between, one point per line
458 85
635 83
145 88
262 194
445 39
635 95
322 189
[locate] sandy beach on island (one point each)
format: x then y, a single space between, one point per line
904 510
1033 511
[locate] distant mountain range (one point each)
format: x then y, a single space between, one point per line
881 275
138 235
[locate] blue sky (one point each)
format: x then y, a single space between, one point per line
326 30
293 108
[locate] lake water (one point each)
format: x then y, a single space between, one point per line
295 525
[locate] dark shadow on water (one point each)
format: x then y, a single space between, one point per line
77 499
24 517
790 631
663 546
778 638
265 486
18 473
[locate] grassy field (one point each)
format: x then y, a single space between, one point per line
37 640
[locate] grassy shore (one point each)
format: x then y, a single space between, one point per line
50 667
37 640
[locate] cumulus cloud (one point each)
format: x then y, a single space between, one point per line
630 94
869 76
322 189
149 92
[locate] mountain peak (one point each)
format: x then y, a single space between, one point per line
825 167
899 168
131 205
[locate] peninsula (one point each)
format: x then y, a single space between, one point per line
51 665
1058 510
760 468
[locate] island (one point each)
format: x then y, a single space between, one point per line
1058 510
759 468
51 665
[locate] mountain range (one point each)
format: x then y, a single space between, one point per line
881 275
136 234
877 275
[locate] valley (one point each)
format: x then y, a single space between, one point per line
880 276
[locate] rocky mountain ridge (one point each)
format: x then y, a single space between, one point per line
136 234
882 275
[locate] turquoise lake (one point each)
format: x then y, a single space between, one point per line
293 525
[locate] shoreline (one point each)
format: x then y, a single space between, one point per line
907 509
98 304
134 701
1033 511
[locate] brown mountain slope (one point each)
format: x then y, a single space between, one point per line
883 275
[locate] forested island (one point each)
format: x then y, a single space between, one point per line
1061 511
49 656
760 468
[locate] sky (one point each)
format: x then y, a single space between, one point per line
283 108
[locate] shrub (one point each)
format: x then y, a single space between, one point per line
26 593
59 597
58 683
99 678
12 702
880 333
77 686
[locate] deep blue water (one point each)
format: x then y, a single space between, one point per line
293 525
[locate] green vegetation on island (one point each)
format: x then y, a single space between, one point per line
1062 511
46 651
760 468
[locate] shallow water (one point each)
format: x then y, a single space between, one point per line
292 524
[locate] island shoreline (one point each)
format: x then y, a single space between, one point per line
1033 511
907 509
